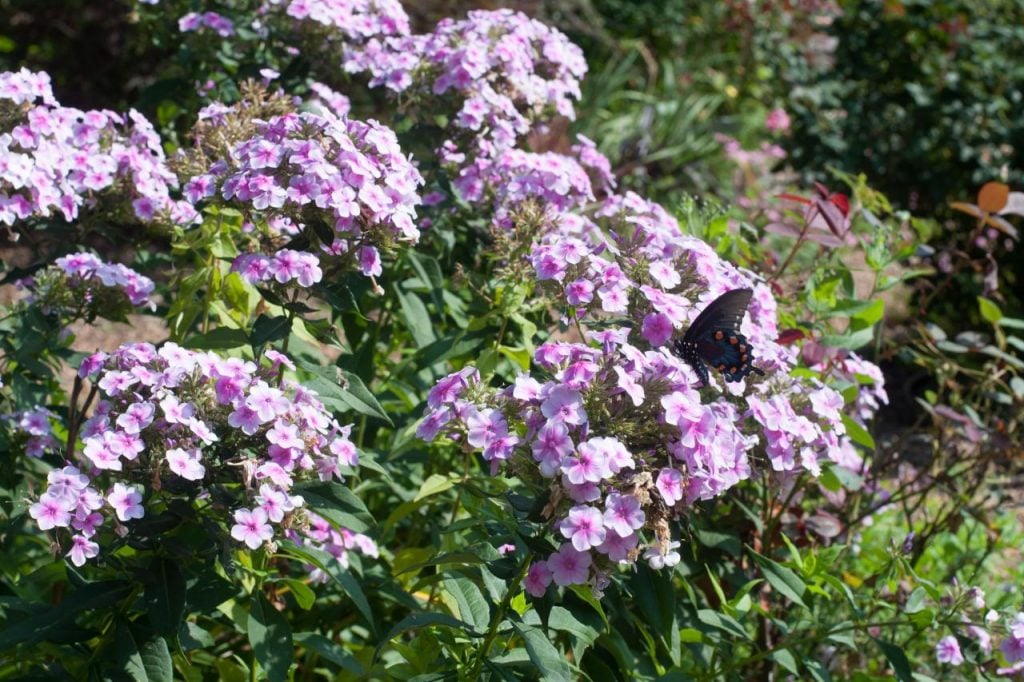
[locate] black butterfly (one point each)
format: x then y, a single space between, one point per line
713 338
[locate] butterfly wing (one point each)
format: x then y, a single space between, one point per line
713 338
725 312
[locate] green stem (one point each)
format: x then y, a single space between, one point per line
499 615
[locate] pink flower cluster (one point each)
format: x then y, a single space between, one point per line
625 442
37 426
172 420
304 170
514 175
25 87
80 275
63 159
355 20
194 21
495 73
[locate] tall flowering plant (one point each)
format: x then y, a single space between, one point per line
617 428
494 74
228 437
57 161
341 189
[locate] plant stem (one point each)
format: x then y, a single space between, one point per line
499 615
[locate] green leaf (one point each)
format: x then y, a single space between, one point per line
782 579
722 622
37 627
417 319
305 597
156 660
851 340
164 596
426 619
897 658
221 338
142 656
473 608
435 483
268 329
549 661
329 650
357 396
915 602
857 433
785 658
337 504
326 381
817 671
270 637
989 310
348 582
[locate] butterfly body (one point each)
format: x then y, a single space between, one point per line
714 339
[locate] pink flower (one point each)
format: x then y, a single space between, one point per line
50 512
777 121
186 464
537 579
670 485
136 417
251 527
82 548
623 514
565 404
584 527
176 412
126 502
657 328
948 651
569 566
590 465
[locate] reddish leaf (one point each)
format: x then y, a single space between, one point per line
841 201
794 197
783 229
788 336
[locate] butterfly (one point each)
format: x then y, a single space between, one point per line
713 339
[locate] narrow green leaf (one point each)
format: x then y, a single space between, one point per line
417 319
304 596
38 626
782 579
348 582
165 596
435 483
989 310
268 329
857 433
360 399
271 638
786 659
156 660
337 504
549 661
221 338
915 602
473 607
722 622
421 620
329 650
817 671
850 340
897 658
